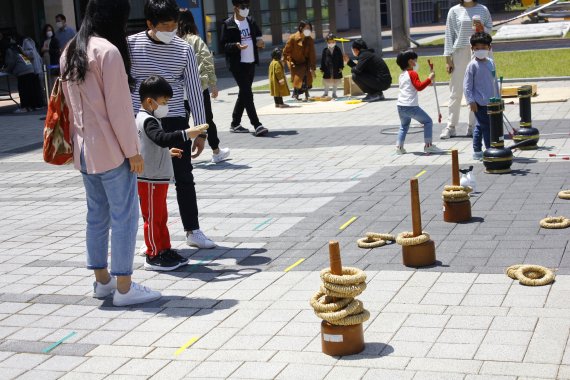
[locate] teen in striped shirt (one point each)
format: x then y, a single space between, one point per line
158 51
463 20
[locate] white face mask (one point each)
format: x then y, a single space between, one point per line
331 46
481 54
244 12
59 24
416 67
467 1
49 34
307 32
165 37
161 111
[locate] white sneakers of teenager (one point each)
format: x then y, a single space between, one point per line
103 290
197 238
222 155
400 151
136 294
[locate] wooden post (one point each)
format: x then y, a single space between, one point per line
416 211
334 257
455 167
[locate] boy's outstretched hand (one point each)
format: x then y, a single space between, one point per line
473 107
175 152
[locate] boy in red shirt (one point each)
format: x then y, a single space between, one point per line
408 103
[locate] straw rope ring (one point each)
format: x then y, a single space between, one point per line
534 275
408 239
324 304
511 271
353 319
354 307
555 222
564 194
456 193
344 291
374 240
350 276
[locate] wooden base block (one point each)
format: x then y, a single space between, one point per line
351 88
342 340
456 212
421 255
512 91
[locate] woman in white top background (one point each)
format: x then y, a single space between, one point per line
463 20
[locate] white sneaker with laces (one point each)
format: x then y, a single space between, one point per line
142 250
197 238
136 294
469 131
222 155
447 133
103 290
478 156
400 150
432 149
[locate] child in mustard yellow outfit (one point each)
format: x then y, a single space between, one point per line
277 81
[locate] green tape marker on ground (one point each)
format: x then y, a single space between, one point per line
51 347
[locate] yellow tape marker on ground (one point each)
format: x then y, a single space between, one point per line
294 265
185 346
350 221
421 173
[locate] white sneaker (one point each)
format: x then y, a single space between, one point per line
400 151
197 238
447 133
142 250
470 131
478 156
103 290
136 294
221 156
432 149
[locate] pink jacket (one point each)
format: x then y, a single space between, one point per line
101 112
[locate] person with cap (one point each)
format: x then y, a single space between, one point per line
241 38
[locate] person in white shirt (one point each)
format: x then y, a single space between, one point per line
463 20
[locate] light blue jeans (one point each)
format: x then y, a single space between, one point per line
112 203
407 113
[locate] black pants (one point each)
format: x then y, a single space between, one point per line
30 91
278 100
185 190
244 75
213 139
370 84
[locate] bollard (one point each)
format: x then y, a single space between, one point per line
526 131
455 212
340 340
497 159
418 255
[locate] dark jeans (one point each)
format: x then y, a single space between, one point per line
213 139
370 84
185 190
482 129
278 100
244 75
30 91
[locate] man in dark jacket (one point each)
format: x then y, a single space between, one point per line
371 73
241 38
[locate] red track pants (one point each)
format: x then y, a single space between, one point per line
155 215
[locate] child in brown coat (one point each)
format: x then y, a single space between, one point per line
277 81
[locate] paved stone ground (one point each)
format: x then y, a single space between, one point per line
278 200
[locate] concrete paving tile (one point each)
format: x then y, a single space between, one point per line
102 365
418 334
514 323
425 375
422 320
517 338
214 369
83 376
532 370
142 367
445 365
11 373
61 363
501 352
257 370
23 361
349 372
452 351
545 351
41 374
407 349
175 370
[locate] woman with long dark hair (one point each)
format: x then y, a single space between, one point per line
188 31
106 146
50 46
300 55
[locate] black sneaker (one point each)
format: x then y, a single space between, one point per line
374 98
163 262
172 253
238 129
261 131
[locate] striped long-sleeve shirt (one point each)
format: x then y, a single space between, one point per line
459 26
176 62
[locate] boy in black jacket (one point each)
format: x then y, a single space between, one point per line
241 38
371 73
331 66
